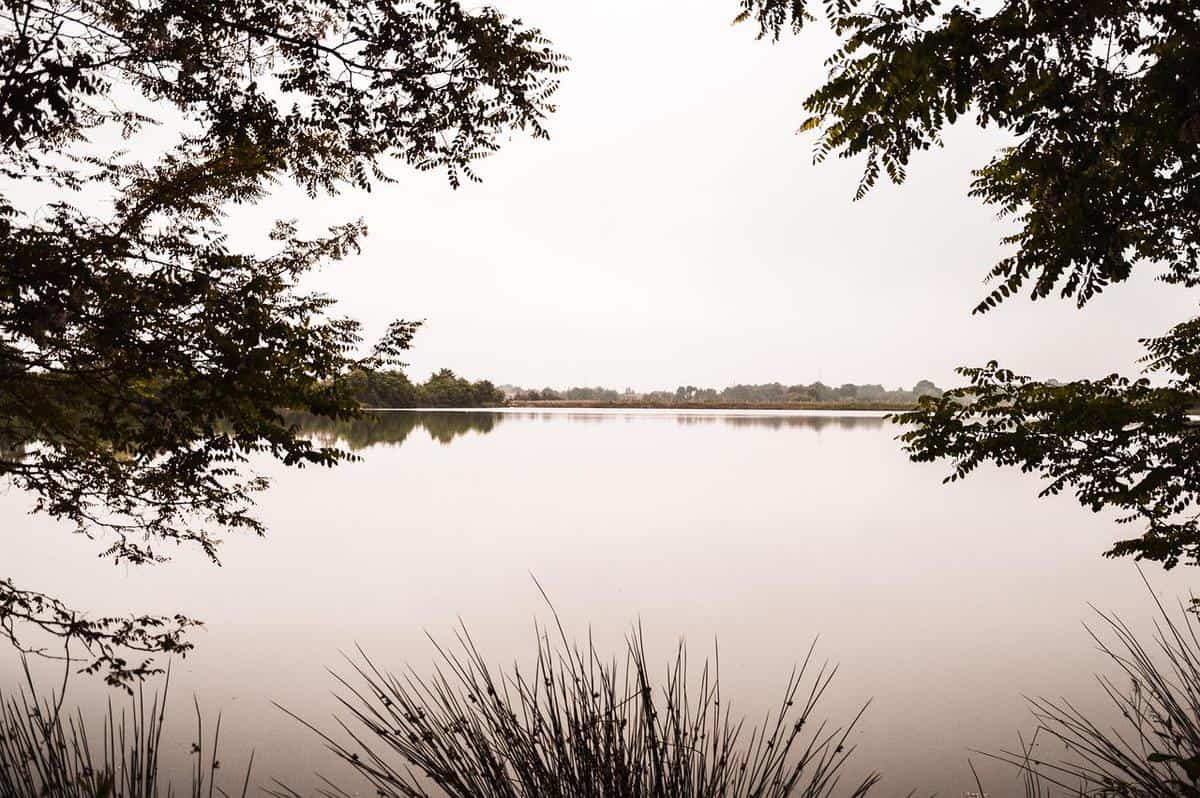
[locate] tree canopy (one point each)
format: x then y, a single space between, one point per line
1102 176
143 359
392 388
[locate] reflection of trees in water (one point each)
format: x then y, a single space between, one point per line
393 428
813 422
445 427
816 423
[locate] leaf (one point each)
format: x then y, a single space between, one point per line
811 123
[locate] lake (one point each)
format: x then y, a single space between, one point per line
943 604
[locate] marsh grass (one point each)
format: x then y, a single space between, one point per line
1154 752
576 725
48 753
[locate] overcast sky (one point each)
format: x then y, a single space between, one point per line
674 231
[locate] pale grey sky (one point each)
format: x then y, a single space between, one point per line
674 231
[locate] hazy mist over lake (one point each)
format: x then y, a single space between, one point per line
760 530
448 380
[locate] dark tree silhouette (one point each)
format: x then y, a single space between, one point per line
1102 177
142 359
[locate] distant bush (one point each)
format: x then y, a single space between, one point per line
771 393
594 394
383 389
443 389
544 395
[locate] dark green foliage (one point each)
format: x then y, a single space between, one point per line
106 640
143 361
1105 170
445 389
318 91
1102 176
393 389
390 388
578 725
775 16
1114 442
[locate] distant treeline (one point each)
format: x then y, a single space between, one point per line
443 389
447 389
768 393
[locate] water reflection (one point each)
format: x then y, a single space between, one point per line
392 428
814 423
765 530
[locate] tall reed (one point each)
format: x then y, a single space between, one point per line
1154 752
48 753
579 726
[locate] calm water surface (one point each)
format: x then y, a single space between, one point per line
943 604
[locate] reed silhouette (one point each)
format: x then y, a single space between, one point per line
1155 751
47 753
578 725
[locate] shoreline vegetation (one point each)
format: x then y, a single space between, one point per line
393 390
599 404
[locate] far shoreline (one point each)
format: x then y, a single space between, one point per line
592 404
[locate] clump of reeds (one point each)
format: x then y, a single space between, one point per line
46 752
1155 750
578 726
